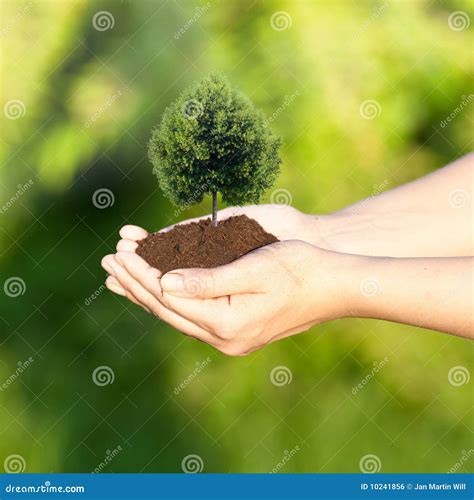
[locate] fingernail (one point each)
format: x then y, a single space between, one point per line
172 282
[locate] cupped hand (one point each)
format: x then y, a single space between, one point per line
283 221
268 294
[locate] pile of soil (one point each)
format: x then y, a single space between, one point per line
199 244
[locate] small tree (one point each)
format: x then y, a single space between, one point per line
212 139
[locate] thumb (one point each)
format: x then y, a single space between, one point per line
239 276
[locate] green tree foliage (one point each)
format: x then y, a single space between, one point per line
212 139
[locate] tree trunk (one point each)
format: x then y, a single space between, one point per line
214 209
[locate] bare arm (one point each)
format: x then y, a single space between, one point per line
431 216
434 293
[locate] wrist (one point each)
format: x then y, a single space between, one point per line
334 283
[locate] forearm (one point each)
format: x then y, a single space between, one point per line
434 293
432 216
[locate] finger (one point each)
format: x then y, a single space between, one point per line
129 284
126 245
241 276
114 286
141 271
134 233
185 326
149 301
206 313
109 264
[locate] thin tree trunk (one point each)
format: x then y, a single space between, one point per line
214 209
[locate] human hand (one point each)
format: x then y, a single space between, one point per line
283 221
268 294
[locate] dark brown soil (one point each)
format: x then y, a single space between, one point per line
198 244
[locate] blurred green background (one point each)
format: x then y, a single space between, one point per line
83 82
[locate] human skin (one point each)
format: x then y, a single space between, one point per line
404 256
